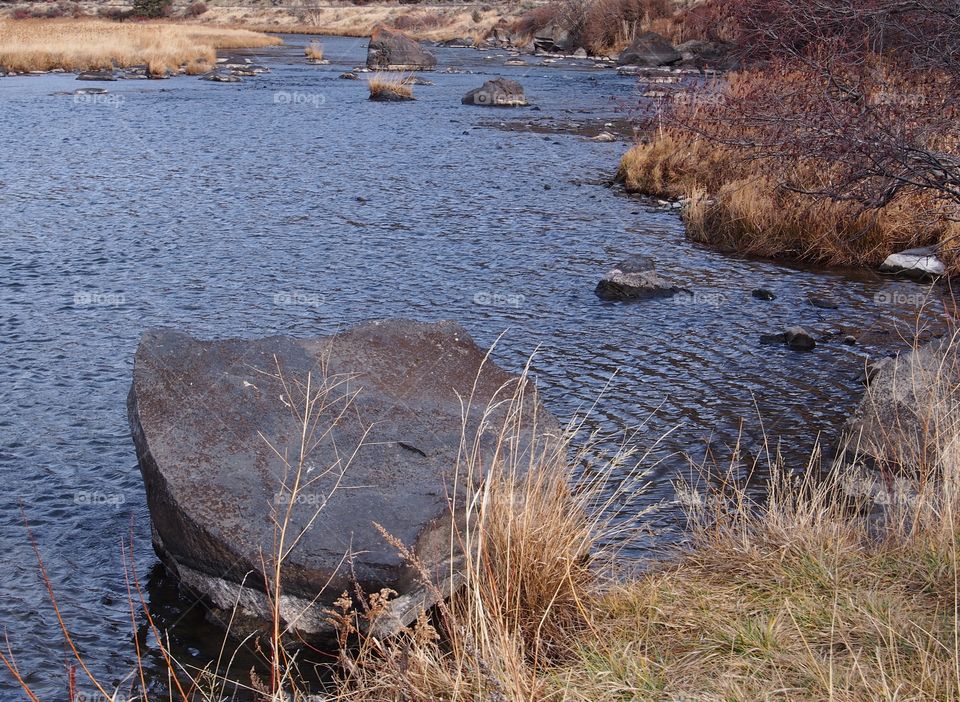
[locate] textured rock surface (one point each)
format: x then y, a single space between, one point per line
907 418
390 50
634 278
649 49
386 443
499 92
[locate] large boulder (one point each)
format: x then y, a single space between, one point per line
499 92
649 49
918 264
554 38
390 50
635 278
907 421
218 437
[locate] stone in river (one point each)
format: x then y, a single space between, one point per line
211 421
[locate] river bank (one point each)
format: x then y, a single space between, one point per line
286 221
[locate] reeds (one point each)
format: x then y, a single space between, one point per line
390 88
78 45
806 592
314 51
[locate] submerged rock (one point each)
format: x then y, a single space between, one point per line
391 50
918 264
499 92
763 294
651 50
634 278
212 419
796 338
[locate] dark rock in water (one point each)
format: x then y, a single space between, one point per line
635 278
823 303
212 419
97 75
649 49
390 50
797 338
850 340
219 77
763 294
349 75
88 91
499 92
416 80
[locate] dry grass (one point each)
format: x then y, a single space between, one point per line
799 596
440 24
314 51
736 199
76 45
390 88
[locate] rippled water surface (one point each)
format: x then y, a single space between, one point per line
290 204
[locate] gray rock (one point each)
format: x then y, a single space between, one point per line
499 92
97 75
349 75
206 417
649 49
390 50
221 77
605 137
635 278
700 52
796 338
553 38
823 303
907 419
918 264
580 53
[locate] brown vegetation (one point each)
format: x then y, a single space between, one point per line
800 596
390 88
76 45
838 142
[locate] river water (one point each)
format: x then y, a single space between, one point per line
290 204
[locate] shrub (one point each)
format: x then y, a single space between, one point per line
195 9
152 8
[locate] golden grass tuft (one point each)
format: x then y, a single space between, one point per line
314 51
390 88
78 45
